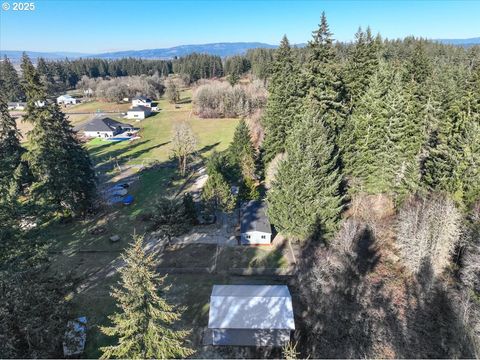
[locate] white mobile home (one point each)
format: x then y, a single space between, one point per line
141 101
138 112
66 100
255 228
250 315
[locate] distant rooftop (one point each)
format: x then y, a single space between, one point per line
139 108
141 97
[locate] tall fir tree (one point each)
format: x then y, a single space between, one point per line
304 199
284 100
63 173
362 64
326 93
241 148
9 82
143 326
384 149
243 159
11 152
453 161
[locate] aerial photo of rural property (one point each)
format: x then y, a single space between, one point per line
227 179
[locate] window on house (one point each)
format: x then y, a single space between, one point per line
264 237
247 236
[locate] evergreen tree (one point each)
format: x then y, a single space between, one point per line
304 197
325 87
9 82
241 146
143 324
453 160
63 173
283 104
217 192
386 138
362 64
10 152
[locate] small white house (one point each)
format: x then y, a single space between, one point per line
40 103
250 315
138 112
255 228
66 100
20 106
141 101
105 128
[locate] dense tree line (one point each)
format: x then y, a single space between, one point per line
198 66
383 119
402 117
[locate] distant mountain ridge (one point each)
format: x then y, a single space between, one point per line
460 42
220 49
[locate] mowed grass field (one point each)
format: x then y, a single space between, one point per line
156 133
97 106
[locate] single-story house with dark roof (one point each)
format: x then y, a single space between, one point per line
105 128
250 315
255 228
138 112
141 101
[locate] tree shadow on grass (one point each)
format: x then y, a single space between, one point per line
207 148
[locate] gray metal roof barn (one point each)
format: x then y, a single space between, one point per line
250 315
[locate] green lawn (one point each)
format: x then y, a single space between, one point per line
94 106
156 133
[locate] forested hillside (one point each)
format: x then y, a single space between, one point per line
377 172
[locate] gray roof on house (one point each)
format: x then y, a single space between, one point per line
254 218
105 124
141 97
139 108
251 307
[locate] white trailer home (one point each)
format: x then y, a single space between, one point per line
138 112
141 101
66 100
255 228
250 315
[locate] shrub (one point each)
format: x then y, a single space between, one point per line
217 99
427 231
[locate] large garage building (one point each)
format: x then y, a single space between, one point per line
250 315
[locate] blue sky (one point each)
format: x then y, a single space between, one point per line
112 25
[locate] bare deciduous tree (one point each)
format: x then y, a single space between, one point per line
428 230
272 169
345 240
184 144
172 93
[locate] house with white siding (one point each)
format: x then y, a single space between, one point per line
66 100
138 112
141 101
105 128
